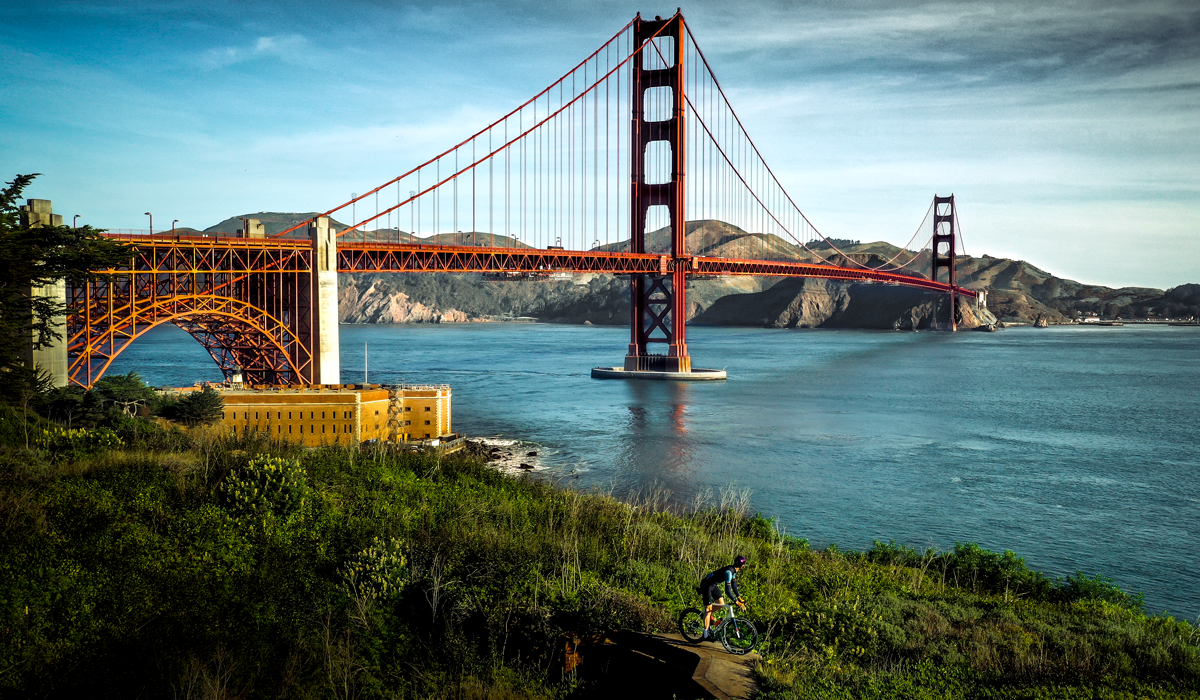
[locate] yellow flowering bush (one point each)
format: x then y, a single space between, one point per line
80 440
265 485
376 572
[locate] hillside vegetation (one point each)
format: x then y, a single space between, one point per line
142 562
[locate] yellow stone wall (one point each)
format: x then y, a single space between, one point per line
312 416
339 414
421 412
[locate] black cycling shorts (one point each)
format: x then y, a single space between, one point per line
712 593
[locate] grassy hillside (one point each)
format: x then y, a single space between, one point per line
171 565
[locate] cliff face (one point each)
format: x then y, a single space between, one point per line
445 298
789 303
812 303
376 305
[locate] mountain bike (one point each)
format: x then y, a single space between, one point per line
736 634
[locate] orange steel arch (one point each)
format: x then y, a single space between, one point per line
236 334
247 301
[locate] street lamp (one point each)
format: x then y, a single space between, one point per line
173 225
151 222
75 222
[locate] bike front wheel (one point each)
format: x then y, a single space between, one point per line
691 625
739 636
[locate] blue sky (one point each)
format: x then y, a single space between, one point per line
1069 131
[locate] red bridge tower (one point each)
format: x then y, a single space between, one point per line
945 243
658 302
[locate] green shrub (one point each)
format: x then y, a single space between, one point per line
893 554
202 407
760 528
265 485
20 427
973 567
1080 587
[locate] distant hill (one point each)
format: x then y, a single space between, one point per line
275 222
1019 291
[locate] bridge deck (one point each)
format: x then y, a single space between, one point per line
354 257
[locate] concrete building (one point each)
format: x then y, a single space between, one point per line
420 412
338 414
317 415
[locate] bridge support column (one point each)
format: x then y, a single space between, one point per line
945 242
52 357
658 302
326 360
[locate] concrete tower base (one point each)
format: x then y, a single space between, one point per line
696 375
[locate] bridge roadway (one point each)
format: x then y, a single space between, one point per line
209 253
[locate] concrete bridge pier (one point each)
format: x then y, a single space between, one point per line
326 368
51 358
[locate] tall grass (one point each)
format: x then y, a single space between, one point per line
134 571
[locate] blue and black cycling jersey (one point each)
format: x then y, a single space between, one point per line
725 575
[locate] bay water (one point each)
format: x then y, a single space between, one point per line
1076 447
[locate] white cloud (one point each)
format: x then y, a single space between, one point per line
287 47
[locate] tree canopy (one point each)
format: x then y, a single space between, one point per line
202 407
33 256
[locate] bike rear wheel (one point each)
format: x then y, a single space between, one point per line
691 625
739 636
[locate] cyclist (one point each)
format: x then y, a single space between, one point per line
710 588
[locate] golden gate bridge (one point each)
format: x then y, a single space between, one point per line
632 163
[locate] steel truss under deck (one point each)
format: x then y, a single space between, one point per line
247 301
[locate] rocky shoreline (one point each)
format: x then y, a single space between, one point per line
507 455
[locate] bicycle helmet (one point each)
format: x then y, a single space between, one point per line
739 561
